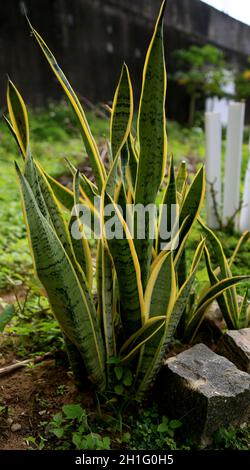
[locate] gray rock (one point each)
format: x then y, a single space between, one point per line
16 427
213 312
235 346
205 391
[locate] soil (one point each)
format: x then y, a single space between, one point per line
31 396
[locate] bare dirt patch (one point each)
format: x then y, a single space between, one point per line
32 396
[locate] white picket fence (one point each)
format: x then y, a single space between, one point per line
229 210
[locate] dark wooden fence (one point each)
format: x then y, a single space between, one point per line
91 38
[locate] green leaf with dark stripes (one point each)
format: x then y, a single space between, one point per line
151 119
160 297
214 291
133 161
193 202
31 175
120 125
73 307
169 201
127 269
106 308
122 112
181 178
88 190
88 139
64 195
225 271
151 136
153 352
222 299
78 236
244 313
18 117
139 339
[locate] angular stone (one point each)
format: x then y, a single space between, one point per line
235 346
205 391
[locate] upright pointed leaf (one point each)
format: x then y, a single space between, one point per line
55 214
80 245
214 291
243 239
179 311
160 297
151 136
225 271
31 175
88 139
181 179
120 125
122 112
161 287
106 312
74 310
133 345
87 189
153 352
244 313
13 132
133 161
128 273
230 318
64 195
152 120
193 201
168 201
18 117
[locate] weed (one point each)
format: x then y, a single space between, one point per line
35 444
232 439
61 389
72 430
151 431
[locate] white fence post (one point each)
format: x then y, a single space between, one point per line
235 131
245 211
213 166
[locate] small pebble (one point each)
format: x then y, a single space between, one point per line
9 421
16 427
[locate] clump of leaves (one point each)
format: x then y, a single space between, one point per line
72 430
242 83
201 70
150 431
32 314
232 438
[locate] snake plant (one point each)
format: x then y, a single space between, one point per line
122 323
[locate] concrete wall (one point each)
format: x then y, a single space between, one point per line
91 38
